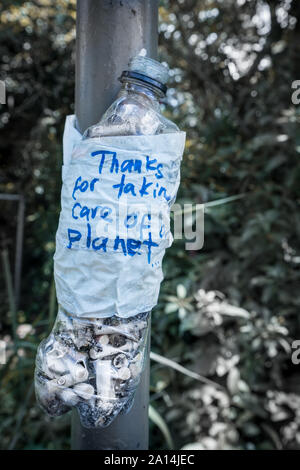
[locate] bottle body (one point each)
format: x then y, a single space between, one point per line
136 111
95 364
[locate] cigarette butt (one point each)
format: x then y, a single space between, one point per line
124 373
104 339
84 390
68 397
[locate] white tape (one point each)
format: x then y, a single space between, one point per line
114 223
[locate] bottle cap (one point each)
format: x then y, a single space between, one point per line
149 71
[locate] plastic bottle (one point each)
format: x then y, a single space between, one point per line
95 364
136 111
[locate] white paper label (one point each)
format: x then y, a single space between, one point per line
114 224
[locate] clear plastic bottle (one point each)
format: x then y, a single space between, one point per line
95 364
136 110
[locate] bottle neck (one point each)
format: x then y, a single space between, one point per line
145 93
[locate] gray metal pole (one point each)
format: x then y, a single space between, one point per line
109 33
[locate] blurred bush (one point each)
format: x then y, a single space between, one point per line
222 375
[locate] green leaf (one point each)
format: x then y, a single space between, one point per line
157 419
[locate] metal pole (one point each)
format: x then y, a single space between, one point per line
109 33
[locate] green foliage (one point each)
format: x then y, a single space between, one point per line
228 312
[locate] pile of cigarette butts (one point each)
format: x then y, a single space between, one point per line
91 364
